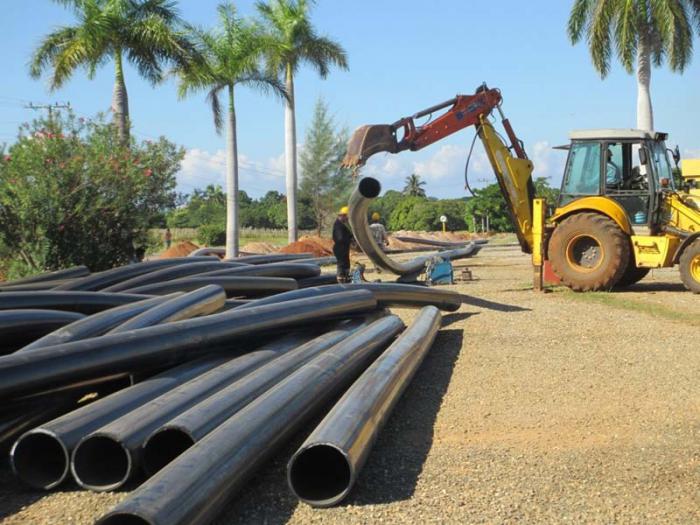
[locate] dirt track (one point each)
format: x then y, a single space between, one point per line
535 408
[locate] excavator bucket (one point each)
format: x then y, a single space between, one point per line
368 140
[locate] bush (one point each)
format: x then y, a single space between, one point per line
212 235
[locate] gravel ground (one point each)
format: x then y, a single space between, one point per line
537 408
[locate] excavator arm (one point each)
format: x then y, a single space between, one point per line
510 164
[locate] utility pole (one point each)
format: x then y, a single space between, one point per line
49 107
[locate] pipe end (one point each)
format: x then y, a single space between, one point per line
40 459
320 475
123 518
100 463
369 187
163 447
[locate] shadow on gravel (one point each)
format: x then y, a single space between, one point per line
450 319
653 287
397 459
491 305
14 496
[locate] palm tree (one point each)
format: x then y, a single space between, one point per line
292 41
414 186
642 32
144 32
231 56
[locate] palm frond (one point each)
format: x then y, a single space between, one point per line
217 112
578 19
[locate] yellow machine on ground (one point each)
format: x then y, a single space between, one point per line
619 214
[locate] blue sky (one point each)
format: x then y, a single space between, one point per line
404 55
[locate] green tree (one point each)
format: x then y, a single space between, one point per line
292 41
231 56
414 186
544 191
71 193
488 202
144 32
323 183
642 33
385 204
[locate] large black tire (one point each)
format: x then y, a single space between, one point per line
632 275
690 266
589 252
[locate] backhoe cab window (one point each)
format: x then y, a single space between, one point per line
662 167
582 175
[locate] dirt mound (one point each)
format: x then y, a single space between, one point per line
181 249
307 245
259 247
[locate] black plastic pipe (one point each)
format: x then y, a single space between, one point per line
321 280
165 345
324 469
192 489
208 251
171 439
203 301
109 457
21 327
69 273
41 457
271 257
430 242
34 287
292 270
234 286
81 302
97 281
172 272
387 294
319 261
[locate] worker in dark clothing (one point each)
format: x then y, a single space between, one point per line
342 237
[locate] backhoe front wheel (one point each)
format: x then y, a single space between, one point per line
589 252
690 266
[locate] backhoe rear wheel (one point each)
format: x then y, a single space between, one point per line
690 266
589 252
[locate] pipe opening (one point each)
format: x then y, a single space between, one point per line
320 475
122 518
369 187
40 460
163 447
101 463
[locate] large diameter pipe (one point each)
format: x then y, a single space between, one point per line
165 345
21 327
292 270
208 251
97 281
203 301
234 286
170 440
81 302
430 242
192 489
272 257
172 272
318 261
69 273
109 457
41 457
34 287
321 280
324 469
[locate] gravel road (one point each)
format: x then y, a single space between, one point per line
547 408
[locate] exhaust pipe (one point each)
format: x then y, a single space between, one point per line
324 469
234 286
81 302
192 489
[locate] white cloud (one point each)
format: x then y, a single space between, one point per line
548 162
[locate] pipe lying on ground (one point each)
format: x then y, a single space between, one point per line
324 469
321 280
41 457
271 257
192 489
35 287
292 270
81 302
208 251
172 272
387 294
319 261
69 273
97 281
203 301
96 324
430 242
21 327
170 440
110 456
234 286
165 345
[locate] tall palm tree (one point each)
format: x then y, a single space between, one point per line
144 32
414 186
292 40
642 33
231 55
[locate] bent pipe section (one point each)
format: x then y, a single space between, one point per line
41 457
208 251
272 257
69 273
21 327
292 270
321 280
203 301
167 344
324 469
81 302
234 286
367 190
192 489
36 287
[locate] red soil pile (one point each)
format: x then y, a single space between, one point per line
307 245
259 247
181 249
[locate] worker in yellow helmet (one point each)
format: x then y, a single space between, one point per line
342 237
378 231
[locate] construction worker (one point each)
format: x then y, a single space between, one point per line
168 238
378 231
342 237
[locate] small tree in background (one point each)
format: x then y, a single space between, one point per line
414 186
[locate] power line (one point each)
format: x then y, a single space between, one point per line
49 107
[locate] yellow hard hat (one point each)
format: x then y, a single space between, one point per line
344 210
376 216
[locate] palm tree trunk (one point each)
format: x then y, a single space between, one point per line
231 180
645 115
120 100
290 157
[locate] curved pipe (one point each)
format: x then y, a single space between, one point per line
165 345
324 469
272 257
21 327
192 489
319 261
321 280
430 242
234 286
203 301
41 457
34 287
219 252
81 302
69 273
291 270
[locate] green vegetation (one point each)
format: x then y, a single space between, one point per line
414 186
